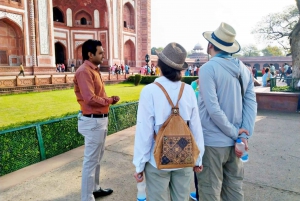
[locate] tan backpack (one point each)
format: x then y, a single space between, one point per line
175 146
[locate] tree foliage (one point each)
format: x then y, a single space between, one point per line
278 26
272 51
250 51
154 49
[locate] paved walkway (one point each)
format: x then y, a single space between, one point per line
272 173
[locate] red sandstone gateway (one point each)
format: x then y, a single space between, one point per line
43 33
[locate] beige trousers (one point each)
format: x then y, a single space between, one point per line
94 131
222 175
161 185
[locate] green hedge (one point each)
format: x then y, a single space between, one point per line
24 146
150 79
259 73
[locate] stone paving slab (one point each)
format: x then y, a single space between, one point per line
272 173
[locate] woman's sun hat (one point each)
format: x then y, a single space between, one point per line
223 38
174 55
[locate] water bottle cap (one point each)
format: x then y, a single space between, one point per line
238 140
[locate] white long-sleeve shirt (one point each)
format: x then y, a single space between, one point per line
153 111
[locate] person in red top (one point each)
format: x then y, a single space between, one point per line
122 68
92 124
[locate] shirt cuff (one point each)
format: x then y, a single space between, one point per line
140 168
244 135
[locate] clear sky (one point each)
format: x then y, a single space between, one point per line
185 21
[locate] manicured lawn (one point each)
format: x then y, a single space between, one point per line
20 108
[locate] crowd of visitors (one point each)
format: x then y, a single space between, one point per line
119 69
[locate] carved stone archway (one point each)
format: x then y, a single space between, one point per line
12 43
129 53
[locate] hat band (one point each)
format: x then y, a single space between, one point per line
170 62
220 40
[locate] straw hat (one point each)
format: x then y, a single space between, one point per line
174 55
223 38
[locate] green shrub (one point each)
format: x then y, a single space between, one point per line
148 79
137 79
282 89
189 79
20 147
259 73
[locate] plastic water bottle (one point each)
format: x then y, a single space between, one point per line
241 146
141 194
79 114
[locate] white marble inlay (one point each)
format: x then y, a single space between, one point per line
69 18
60 34
116 31
77 43
43 26
14 17
84 36
61 41
96 19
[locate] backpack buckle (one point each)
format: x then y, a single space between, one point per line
175 110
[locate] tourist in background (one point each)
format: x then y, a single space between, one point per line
21 70
72 67
266 78
272 70
63 68
153 111
195 71
94 104
254 72
227 112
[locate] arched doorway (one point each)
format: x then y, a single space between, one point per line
257 66
57 15
12 43
78 55
129 53
128 16
60 53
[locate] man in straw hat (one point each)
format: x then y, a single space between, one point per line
227 107
153 110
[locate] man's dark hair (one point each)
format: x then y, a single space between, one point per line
216 48
90 46
267 70
170 73
271 64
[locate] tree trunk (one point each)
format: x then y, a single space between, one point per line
295 47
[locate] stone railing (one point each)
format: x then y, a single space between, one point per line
38 80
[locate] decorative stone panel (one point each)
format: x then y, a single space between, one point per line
44 60
15 60
43 26
14 17
77 43
26 82
64 42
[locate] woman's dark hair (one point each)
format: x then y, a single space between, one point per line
90 46
267 70
170 73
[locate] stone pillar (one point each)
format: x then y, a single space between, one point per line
36 82
32 32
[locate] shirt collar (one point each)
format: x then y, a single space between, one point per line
87 62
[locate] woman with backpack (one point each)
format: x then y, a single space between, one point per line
153 111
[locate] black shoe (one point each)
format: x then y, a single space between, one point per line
102 192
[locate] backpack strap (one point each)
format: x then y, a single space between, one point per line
167 95
180 93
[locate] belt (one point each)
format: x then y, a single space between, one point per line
96 115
